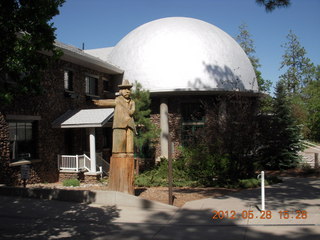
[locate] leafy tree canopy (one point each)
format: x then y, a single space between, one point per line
299 68
25 31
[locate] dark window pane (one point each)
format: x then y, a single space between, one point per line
21 132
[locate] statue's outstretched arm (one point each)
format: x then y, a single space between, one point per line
105 103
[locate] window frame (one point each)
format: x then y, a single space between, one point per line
69 82
28 142
187 122
89 85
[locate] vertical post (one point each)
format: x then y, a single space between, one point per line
316 160
262 192
77 163
164 126
92 150
170 173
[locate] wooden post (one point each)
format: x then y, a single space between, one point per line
316 160
121 174
170 172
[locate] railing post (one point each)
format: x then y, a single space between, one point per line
77 163
58 162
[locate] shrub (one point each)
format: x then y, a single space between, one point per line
71 183
159 176
250 183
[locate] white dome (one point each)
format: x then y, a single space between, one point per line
178 53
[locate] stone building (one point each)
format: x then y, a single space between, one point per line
183 62
37 130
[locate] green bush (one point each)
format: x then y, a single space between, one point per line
208 169
71 183
254 182
250 183
159 176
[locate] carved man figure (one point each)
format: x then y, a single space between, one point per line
123 123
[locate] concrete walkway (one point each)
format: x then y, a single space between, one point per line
27 218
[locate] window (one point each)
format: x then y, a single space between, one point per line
193 116
68 80
91 86
106 85
22 137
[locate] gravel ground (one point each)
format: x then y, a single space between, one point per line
181 194
160 194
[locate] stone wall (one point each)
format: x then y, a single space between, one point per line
175 104
52 103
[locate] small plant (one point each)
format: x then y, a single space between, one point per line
71 183
250 183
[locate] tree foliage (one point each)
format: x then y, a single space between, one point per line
147 131
299 69
25 31
224 147
271 5
280 142
300 82
310 99
247 44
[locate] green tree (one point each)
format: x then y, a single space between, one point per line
271 5
299 69
147 131
247 44
311 100
25 31
281 135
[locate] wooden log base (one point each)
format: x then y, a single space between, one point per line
121 175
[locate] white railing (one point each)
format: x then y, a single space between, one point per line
76 163
105 166
68 162
310 145
311 154
84 162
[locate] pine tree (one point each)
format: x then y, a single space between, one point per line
147 131
282 135
245 41
311 97
299 69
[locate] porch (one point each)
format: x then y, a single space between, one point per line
80 167
89 164
82 163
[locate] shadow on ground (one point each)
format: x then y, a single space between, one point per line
24 218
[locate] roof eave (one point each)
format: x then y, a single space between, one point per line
78 56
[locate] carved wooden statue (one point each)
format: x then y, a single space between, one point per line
123 123
121 177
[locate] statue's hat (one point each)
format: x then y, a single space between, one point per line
125 84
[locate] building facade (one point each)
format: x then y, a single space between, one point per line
183 62
27 133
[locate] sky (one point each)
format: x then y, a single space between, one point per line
103 23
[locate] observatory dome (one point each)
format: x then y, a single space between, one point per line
183 54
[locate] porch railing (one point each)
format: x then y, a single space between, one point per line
76 163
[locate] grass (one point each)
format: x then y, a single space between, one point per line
71 183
